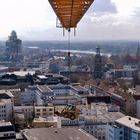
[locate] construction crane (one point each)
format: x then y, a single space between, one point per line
69 13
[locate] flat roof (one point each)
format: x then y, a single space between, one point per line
49 119
44 88
22 73
99 112
57 134
42 76
80 88
130 122
3 123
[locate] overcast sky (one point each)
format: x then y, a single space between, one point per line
105 20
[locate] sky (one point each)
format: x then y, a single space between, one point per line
105 20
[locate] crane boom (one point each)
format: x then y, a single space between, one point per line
70 12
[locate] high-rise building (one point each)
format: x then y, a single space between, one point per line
98 64
14 51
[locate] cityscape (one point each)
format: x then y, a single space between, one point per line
70 89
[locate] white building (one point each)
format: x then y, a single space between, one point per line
43 111
125 128
6 105
26 112
30 112
6 109
7 131
31 96
55 94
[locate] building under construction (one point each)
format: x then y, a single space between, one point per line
14 51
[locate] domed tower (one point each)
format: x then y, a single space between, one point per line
98 64
13 50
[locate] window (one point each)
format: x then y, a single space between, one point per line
121 132
121 138
37 114
50 109
44 109
5 135
38 110
91 126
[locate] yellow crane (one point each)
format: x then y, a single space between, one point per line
69 13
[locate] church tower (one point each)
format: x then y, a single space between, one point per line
98 64
138 57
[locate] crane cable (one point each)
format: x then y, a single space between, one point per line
69 43
69 54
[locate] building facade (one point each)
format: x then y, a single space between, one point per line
98 64
125 128
7 131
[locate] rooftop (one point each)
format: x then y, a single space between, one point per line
42 77
48 119
5 94
3 123
22 73
99 112
130 122
80 88
44 88
57 134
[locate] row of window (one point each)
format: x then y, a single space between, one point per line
2 115
44 114
9 134
2 111
38 110
2 106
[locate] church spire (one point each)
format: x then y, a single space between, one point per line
138 53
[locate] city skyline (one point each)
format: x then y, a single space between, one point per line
105 20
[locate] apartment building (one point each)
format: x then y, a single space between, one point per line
125 128
7 131
6 110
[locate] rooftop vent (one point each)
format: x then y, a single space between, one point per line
55 131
